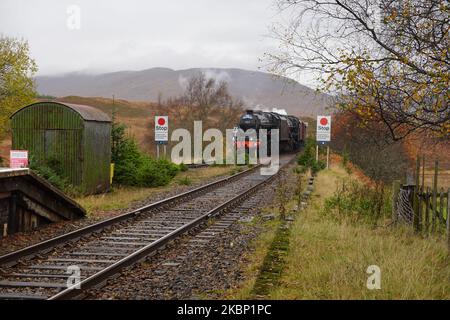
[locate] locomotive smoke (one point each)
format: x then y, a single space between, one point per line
265 109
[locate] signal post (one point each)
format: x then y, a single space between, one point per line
161 134
323 136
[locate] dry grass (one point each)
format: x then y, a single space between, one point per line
328 259
254 262
122 197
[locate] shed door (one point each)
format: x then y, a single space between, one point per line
64 146
50 138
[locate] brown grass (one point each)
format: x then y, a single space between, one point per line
328 259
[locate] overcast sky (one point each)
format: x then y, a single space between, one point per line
136 34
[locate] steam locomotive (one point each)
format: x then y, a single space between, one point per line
292 131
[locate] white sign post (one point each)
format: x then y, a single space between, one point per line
161 133
323 135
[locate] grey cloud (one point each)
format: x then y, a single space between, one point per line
135 34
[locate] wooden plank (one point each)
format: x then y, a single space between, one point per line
427 211
18 296
420 208
434 212
79 260
54 267
395 192
118 243
9 284
37 275
140 234
99 253
448 219
121 238
416 216
106 249
441 207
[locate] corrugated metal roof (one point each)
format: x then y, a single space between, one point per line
86 112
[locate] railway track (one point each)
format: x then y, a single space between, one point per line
102 250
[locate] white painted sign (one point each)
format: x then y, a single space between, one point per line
161 129
323 133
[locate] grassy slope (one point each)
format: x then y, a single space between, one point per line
328 259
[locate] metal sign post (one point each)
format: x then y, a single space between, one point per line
323 135
328 157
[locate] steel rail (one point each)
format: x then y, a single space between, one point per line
99 278
44 246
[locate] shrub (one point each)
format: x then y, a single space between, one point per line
308 159
154 173
359 202
185 181
299 169
183 167
52 171
134 168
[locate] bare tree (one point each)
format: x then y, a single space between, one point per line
208 101
387 61
366 147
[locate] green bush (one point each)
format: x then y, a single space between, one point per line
183 167
154 173
308 158
299 169
134 168
185 181
52 171
359 202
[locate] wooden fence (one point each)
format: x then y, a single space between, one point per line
426 208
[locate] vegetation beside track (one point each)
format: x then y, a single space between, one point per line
329 254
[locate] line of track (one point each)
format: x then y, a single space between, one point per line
102 250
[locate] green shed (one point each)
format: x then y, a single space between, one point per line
78 137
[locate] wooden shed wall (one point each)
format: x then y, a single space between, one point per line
51 131
97 156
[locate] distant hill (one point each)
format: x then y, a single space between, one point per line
256 89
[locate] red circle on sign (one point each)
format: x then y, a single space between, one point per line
324 121
161 121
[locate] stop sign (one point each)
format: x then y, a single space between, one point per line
324 121
323 133
161 129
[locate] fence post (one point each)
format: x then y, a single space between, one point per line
395 192
415 197
427 211
448 219
441 208
423 173
434 212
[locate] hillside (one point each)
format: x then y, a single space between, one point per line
254 88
